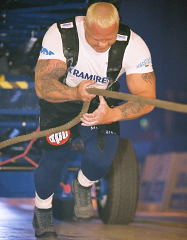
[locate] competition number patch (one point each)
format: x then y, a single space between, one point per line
59 138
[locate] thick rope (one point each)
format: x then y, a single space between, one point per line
47 132
136 98
117 95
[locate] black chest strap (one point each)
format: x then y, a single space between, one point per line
70 43
70 40
116 53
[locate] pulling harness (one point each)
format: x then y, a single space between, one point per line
70 40
61 113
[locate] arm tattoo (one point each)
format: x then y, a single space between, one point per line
132 108
49 75
148 78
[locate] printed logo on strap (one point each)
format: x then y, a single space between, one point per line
121 37
67 25
59 138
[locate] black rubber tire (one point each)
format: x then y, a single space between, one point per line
122 193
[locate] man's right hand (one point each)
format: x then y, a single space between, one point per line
82 93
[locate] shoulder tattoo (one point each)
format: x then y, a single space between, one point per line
148 78
49 69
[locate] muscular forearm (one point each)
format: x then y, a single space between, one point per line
131 110
105 114
139 84
54 91
48 87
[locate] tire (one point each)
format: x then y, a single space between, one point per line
118 205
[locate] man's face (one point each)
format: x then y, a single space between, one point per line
100 39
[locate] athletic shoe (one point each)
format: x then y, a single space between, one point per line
83 204
43 224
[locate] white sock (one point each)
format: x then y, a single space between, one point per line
43 203
84 181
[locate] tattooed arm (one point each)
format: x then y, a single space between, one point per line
48 87
139 84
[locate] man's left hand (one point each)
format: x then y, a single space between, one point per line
102 115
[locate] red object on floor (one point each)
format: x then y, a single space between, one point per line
23 155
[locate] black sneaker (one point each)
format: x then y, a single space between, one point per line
83 204
43 224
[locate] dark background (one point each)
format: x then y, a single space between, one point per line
162 24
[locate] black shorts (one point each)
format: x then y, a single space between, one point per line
57 114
